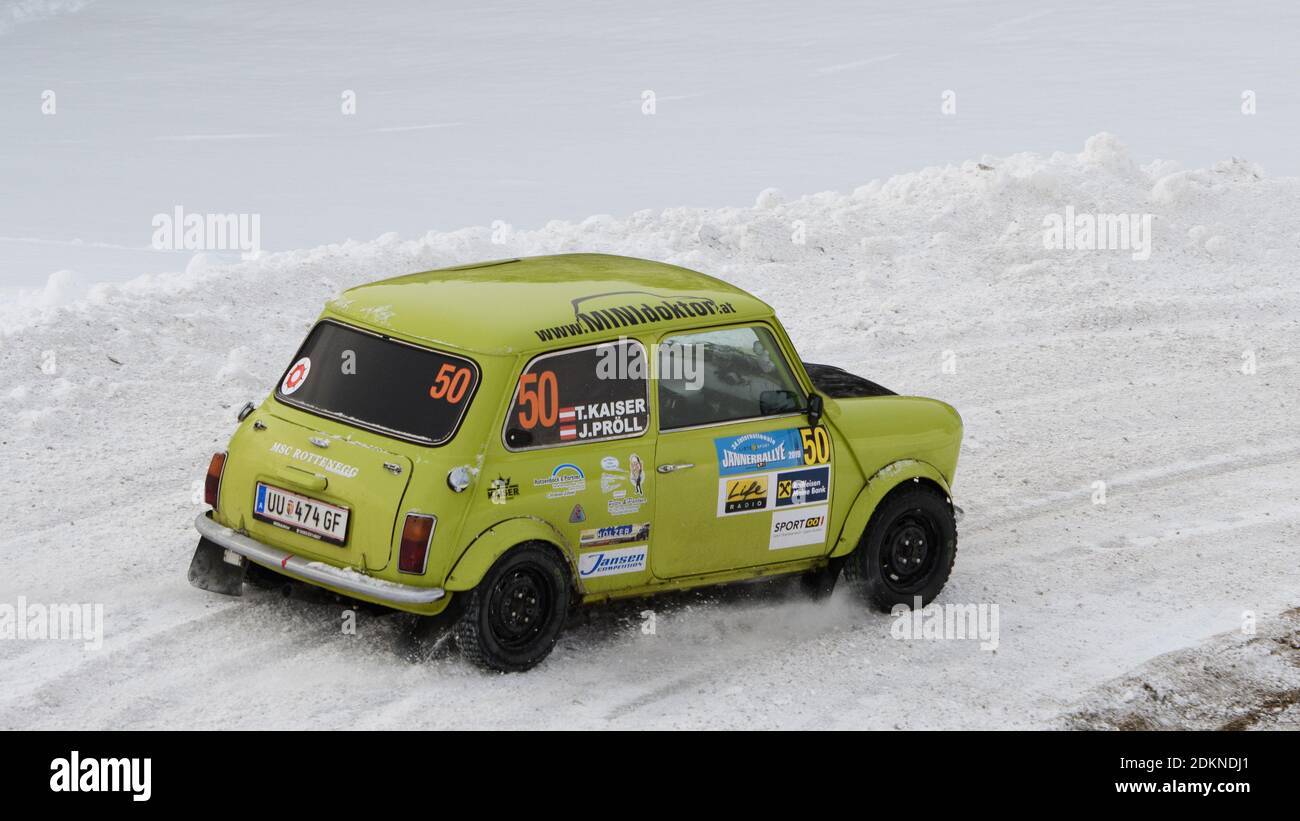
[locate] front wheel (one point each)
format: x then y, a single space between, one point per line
907 551
514 615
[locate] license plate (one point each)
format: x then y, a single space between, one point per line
301 514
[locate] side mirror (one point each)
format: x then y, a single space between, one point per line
814 409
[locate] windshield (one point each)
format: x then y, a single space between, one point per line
380 383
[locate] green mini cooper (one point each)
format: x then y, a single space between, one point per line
490 444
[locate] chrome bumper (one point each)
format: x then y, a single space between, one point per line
314 572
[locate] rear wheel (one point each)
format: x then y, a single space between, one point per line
514 615
907 551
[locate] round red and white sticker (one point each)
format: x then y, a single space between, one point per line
296 376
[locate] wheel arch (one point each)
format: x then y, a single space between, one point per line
882 484
493 543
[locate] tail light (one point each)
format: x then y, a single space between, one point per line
212 483
416 535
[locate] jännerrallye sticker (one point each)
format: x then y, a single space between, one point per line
752 452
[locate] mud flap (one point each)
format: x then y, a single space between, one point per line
209 569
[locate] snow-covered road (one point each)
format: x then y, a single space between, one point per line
1069 367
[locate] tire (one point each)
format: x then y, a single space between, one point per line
908 549
496 636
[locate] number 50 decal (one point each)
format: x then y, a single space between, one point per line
450 383
816 445
540 395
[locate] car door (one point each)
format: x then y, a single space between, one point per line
743 481
578 427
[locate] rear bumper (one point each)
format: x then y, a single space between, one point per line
318 573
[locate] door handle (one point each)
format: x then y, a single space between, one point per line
671 468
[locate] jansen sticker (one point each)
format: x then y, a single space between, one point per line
752 452
612 562
795 528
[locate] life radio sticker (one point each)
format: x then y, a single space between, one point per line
803 487
752 452
571 397
744 494
799 527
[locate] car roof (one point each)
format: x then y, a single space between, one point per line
541 303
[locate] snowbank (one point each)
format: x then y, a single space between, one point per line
1069 366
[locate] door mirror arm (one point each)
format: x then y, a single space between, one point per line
814 409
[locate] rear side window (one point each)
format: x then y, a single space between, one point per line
379 383
589 394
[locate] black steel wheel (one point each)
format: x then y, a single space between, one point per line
908 549
513 617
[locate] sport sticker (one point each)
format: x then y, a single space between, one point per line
612 562
802 487
561 398
795 528
746 494
751 452
565 480
614 534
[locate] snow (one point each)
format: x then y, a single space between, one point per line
527 112
1069 367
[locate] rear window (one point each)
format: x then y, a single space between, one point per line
379 383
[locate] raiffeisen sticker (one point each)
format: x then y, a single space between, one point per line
296 376
803 487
